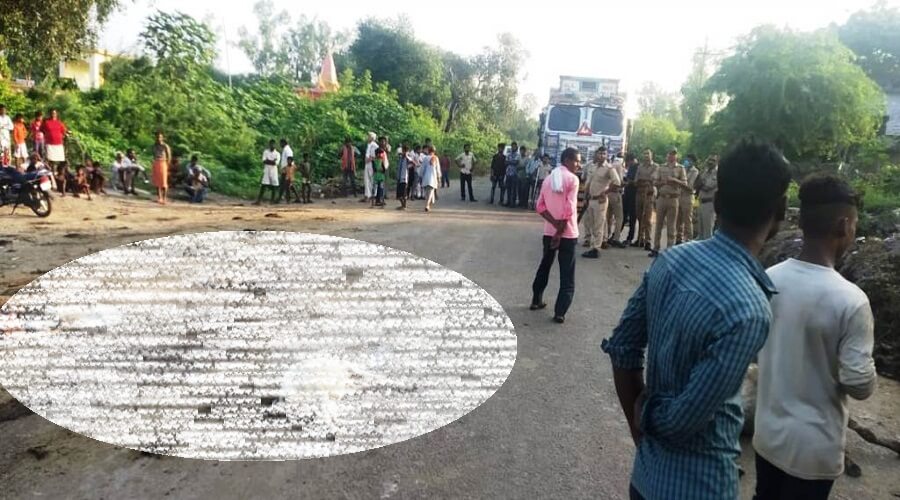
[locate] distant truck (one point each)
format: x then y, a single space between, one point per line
584 113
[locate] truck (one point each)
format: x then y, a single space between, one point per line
584 113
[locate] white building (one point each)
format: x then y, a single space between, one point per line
86 71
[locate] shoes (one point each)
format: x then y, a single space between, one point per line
637 244
648 247
536 307
591 254
559 319
653 253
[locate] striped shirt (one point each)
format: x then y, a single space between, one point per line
701 314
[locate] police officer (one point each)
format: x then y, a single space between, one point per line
707 185
600 184
670 181
686 202
645 195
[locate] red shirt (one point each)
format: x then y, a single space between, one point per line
54 130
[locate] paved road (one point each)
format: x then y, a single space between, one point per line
554 430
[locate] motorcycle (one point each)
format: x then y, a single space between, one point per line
32 190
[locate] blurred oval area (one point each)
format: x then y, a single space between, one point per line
253 346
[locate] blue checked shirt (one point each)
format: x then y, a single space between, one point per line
701 314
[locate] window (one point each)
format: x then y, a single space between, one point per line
589 86
607 122
564 119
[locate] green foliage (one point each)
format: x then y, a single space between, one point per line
801 91
390 52
657 134
656 102
36 35
874 36
179 42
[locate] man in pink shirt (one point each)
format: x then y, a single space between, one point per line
558 205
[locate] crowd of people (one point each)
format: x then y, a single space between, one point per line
704 311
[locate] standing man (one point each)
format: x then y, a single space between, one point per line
629 198
445 170
348 164
558 205
531 172
686 202
706 186
670 181
6 128
498 172
512 178
700 315
645 197
368 175
522 177
270 160
286 152
466 161
819 352
54 135
614 213
596 198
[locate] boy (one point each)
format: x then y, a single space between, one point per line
20 134
37 134
81 183
818 352
403 173
378 178
306 179
287 182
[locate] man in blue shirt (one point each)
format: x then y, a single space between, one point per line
700 314
512 178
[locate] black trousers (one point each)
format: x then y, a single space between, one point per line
445 179
524 186
629 211
566 253
498 181
512 190
465 180
773 483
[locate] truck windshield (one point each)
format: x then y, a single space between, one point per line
564 119
607 122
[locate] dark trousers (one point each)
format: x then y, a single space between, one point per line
350 178
773 483
445 179
629 211
566 253
512 190
523 193
498 181
633 493
465 180
411 185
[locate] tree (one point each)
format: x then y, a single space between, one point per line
654 101
799 90
264 48
695 97
179 42
393 55
659 134
306 44
496 78
36 35
874 36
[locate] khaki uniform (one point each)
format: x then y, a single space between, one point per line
686 207
644 184
598 202
707 184
667 202
615 212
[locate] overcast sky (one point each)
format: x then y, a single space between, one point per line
632 40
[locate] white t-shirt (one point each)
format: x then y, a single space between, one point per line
6 126
820 341
271 156
286 153
466 161
370 153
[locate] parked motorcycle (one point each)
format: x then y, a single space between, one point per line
31 189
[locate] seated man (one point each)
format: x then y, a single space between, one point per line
197 180
132 169
95 178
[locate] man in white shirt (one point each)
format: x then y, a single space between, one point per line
465 161
369 173
819 351
6 127
270 159
286 152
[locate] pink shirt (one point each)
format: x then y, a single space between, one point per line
560 205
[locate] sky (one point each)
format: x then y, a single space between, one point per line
631 40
